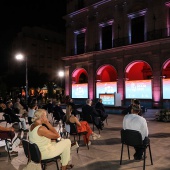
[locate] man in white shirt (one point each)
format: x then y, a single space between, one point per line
135 122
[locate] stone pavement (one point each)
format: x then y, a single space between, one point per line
104 153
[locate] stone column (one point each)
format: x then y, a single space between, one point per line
68 81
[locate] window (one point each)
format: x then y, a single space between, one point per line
137 27
80 41
107 37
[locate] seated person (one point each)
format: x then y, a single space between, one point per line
58 111
44 138
89 110
20 108
49 106
135 122
100 107
75 111
2 105
15 117
8 133
81 126
31 112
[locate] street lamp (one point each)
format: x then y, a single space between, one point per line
61 74
22 57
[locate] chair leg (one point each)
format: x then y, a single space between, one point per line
57 165
144 159
128 152
106 121
121 155
150 155
7 149
78 143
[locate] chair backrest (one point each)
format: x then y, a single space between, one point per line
73 129
25 145
35 153
131 137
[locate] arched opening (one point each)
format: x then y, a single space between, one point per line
106 80
79 83
166 79
138 80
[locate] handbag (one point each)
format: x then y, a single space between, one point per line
33 166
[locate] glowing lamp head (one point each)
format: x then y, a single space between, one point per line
61 73
19 57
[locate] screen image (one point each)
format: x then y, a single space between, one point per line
80 90
138 89
107 99
166 88
105 87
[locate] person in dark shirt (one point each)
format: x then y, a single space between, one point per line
101 110
14 117
58 112
89 110
75 112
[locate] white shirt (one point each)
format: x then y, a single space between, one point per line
31 112
136 122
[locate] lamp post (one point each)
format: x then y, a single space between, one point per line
61 75
21 57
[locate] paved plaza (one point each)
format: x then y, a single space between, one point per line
104 153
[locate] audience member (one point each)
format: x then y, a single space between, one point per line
81 126
58 111
135 122
89 110
43 138
100 108
15 117
49 106
31 112
2 105
74 108
22 111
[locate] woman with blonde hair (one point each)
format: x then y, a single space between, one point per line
81 125
43 135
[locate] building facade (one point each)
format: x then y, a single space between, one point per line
126 42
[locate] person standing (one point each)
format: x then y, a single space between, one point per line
136 122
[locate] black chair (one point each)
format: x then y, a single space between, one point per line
33 153
101 114
134 138
73 131
7 136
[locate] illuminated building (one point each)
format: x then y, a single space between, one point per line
119 41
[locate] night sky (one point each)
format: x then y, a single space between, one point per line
15 14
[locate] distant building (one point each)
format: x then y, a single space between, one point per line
43 49
124 43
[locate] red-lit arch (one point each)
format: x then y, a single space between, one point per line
106 73
166 69
138 70
76 74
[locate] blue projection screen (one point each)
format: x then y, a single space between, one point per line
80 90
105 87
107 99
166 88
138 89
